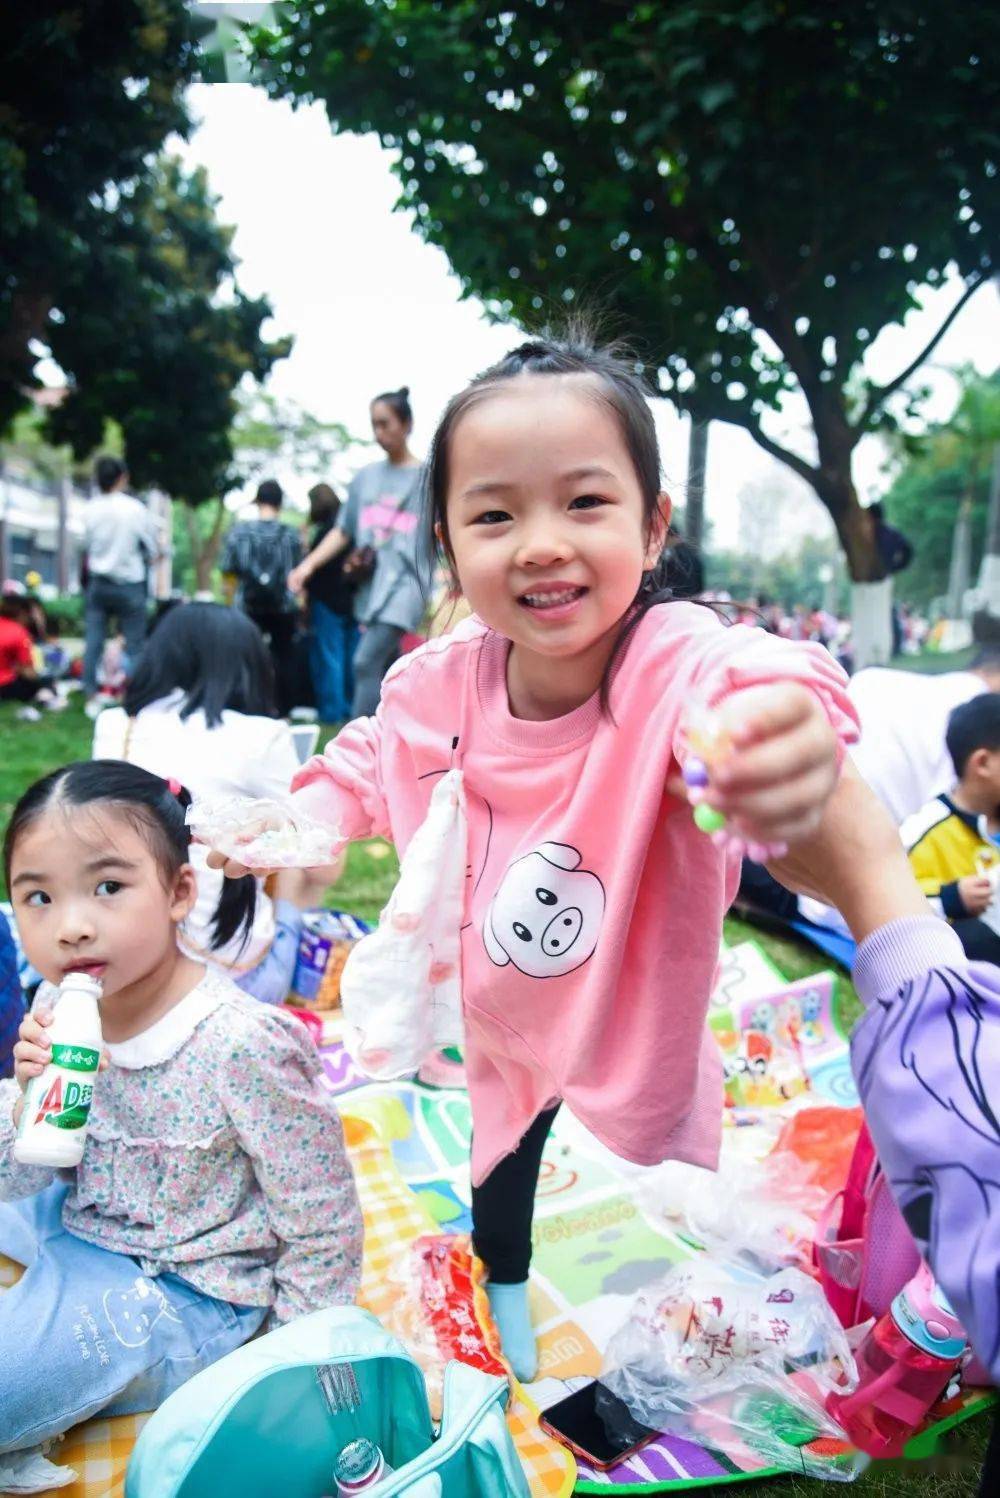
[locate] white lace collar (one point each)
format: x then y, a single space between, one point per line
164 1039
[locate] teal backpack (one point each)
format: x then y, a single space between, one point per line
274 1415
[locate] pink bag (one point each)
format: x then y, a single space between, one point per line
864 1251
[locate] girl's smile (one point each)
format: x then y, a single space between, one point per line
548 532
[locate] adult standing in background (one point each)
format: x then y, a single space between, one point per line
333 632
259 555
120 543
379 529
895 552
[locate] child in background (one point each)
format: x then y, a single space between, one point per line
200 706
214 1189
19 680
954 841
594 906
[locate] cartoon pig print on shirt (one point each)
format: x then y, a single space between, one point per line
132 1314
546 916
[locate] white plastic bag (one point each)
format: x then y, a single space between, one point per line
262 834
764 1212
737 1366
401 987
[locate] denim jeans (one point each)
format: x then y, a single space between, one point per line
107 598
85 1331
332 642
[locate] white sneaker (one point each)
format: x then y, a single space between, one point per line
28 714
94 705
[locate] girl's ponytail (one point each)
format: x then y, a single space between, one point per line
238 901
235 911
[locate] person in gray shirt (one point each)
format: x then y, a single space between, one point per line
381 523
121 542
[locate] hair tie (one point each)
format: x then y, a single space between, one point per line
174 787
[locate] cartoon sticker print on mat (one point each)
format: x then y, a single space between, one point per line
546 916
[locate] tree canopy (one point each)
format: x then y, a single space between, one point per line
89 91
158 336
753 190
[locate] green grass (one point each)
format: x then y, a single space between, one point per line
30 750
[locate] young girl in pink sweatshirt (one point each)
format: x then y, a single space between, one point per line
594 905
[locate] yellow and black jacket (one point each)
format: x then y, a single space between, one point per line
944 845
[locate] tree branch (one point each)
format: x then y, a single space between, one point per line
879 397
804 469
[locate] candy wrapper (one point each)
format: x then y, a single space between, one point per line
740 1367
262 834
709 744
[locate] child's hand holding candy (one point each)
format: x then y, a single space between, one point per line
260 837
762 767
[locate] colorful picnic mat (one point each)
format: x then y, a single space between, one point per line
597 1242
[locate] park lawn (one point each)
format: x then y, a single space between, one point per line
28 750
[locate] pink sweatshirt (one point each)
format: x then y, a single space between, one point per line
594 906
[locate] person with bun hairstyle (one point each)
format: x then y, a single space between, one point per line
380 523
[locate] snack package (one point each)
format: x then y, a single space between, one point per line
739 1366
262 834
324 946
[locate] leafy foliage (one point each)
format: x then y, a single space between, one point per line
753 190
793 577
90 89
949 467
158 336
269 432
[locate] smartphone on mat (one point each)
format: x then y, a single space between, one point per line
596 1425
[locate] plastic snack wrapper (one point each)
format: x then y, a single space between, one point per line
762 1214
262 834
743 1367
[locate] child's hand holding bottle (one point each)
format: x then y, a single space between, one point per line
33 1052
763 766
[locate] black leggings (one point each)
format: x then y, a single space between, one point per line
503 1206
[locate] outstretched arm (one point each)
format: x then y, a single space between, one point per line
854 861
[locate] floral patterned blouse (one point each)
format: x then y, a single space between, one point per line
214 1153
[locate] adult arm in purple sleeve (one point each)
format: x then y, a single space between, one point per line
926 1054
926 1058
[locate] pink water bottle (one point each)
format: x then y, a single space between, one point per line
904 1365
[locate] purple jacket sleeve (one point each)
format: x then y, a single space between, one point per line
926 1058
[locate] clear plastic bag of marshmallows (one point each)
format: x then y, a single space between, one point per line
741 1367
263 834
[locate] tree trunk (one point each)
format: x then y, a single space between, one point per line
871 594
871 623
959 575
989 572
204 552
62 534
694 510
